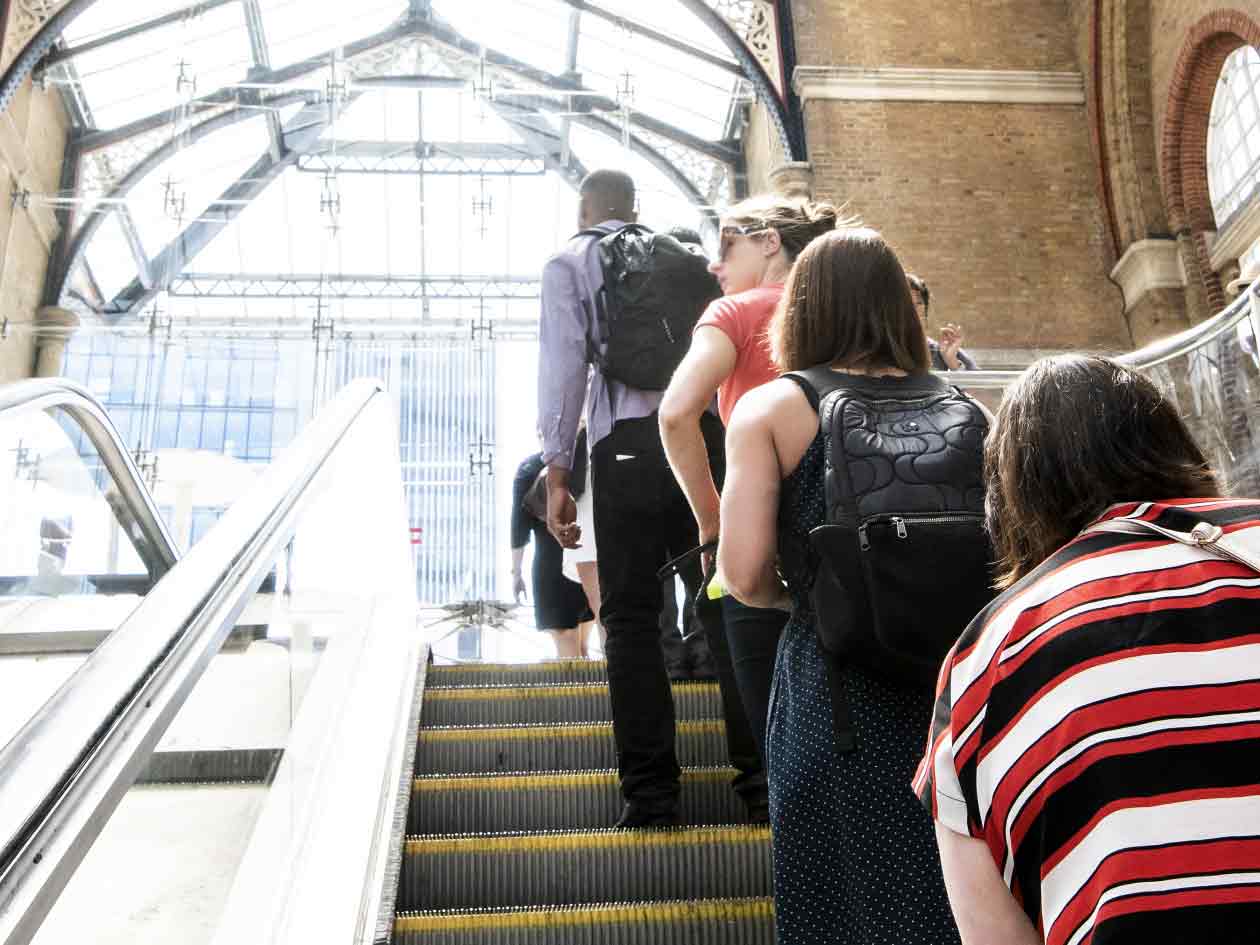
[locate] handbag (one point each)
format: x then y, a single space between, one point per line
1241 546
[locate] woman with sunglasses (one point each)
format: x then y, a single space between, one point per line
729 356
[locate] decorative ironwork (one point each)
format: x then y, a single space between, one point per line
756 24
281 286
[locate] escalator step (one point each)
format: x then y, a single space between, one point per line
441 873
582 800
497 748
507 705
704 922
553 672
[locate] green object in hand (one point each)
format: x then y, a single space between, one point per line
716 589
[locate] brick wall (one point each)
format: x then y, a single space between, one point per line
970 34
996 205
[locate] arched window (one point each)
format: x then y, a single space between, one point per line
1234 135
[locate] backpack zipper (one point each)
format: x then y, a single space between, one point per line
903 531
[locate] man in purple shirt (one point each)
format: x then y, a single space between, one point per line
642 519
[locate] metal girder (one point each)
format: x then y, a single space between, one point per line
394 157
201 285
262 65
582 97
210 222
665 39
232 94
84 234
37 47
58 56
754 71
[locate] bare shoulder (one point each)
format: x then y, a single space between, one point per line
763 405
780 413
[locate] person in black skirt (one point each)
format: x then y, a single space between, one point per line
560 606
855 855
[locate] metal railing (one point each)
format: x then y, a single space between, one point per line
64 773
138 514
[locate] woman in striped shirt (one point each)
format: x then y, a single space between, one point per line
1094 762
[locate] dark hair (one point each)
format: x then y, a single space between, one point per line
684 234
921 287
612 190
1074 435
797 221
847 301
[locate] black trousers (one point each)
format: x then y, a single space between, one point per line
642 520
752 634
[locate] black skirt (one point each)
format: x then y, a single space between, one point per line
559 604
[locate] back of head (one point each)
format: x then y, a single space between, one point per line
607 194
1074 435
797 221
685 235
847 302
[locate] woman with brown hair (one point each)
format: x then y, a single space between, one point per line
1094 761
855 860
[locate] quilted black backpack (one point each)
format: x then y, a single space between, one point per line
655 290
905 559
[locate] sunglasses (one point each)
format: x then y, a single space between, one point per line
732 232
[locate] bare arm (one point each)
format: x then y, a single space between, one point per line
985 910
708 363
750 507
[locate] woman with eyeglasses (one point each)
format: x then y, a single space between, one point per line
729 356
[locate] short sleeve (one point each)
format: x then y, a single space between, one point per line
937 782
727 315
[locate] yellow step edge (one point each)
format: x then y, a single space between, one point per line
589 840
488 668
513 693
430 784
656 913
506 733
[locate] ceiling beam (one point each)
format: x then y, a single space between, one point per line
194 238
182 15
202 285
234 94
261 54
636 28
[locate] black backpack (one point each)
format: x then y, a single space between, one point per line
655 290
905 558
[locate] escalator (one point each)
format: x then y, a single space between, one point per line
515 786
248 741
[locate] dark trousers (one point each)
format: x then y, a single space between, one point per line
752 634
642 520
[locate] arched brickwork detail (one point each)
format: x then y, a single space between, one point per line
1183 145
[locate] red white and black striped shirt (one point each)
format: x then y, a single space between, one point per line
1098 726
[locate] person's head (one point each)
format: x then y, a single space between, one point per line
847 303
921 295
1074 435
762 236
605 195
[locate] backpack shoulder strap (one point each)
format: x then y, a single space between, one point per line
818 382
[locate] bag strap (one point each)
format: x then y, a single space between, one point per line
1211 538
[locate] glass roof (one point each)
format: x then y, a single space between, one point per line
441 147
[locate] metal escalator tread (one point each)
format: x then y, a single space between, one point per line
558 800
555 704
585 867
569 747
694 922
555 672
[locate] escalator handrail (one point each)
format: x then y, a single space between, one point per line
1141 359
66 770
137 511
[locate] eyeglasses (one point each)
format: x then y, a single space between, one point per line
731 232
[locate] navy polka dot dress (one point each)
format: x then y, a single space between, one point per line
855 858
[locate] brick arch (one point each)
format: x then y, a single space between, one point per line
1183 145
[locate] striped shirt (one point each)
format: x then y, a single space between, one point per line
1098 727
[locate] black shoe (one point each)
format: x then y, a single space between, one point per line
635 818
678 672
758 806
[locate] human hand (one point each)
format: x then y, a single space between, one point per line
518 586
951 341
562 517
